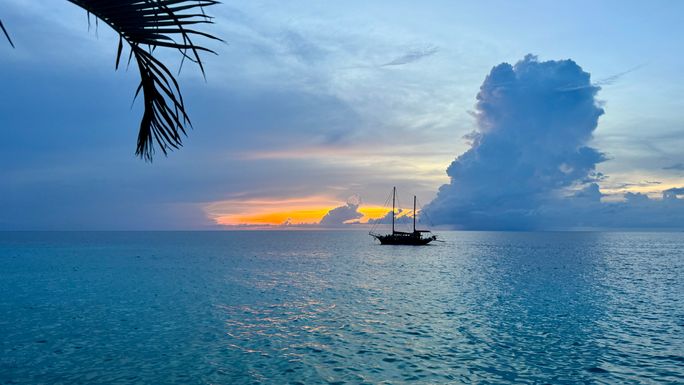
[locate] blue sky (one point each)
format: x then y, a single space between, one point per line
315 103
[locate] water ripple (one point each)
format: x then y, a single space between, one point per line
331 308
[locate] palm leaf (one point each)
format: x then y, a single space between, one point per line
145 25
2 27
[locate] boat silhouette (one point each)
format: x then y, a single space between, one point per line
414 238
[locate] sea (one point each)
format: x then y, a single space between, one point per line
335 307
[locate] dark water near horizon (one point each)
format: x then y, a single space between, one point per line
310 307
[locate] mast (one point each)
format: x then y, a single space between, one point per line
414 213
394 193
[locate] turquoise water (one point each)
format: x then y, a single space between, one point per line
335 308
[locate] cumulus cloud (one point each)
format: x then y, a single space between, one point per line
531 144
636 211
400 217
412 56
343 215
530 164
673 193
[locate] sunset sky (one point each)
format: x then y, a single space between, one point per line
313 106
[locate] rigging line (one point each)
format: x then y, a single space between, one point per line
379 220
425 214
401 223
397 222
404 222
375 224
416 211
386 204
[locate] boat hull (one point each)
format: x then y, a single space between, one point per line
403 240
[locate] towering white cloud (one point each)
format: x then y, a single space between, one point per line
529 164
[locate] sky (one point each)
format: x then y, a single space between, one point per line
311 112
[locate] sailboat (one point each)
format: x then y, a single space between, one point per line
415 238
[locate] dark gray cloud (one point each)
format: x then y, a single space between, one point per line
636 184
400 217
529 165
676 167
412 56
673 193
637 211
339 215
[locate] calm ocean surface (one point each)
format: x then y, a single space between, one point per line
309 307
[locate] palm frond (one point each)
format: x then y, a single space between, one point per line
145 25
6 34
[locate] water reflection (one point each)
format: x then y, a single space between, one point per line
325 307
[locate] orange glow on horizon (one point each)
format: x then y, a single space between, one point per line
305 216
277 212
